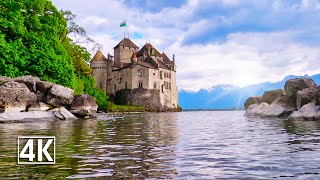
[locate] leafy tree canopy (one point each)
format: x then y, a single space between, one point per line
30 32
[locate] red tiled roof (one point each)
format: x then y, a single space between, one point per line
127 43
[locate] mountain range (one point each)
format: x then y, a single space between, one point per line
227 96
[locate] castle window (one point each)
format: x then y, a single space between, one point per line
169 86
169 75
162 89
140 85
140 72
154 85
161 75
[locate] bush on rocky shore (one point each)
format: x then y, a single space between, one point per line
300 99
28 97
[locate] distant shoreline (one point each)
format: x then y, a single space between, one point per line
213 109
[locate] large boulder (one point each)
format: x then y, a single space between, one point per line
292 86
256 109
252 100
15 97
29 81
44 86
59 96
317 96
306 96
83 105
307 112
63 114
4 79
11 117
270 96
281 107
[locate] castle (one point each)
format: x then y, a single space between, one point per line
133 69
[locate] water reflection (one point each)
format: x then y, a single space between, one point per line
135 146
196 145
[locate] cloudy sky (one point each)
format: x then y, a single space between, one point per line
236 42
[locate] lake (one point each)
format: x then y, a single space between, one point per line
186 145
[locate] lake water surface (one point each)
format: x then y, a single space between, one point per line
186 145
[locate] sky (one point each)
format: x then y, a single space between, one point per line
238 42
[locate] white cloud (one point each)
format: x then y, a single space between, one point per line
242 58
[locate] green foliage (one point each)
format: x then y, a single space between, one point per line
34 41
125 108
85 84
30 32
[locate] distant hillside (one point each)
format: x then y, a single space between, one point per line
227 96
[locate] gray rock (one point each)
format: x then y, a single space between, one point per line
306 96
9 117
29 81
63 114
306 112
281 107
4 79
44 86
66 114
252 100
59 96
84 105
40 96
270 96
256 109
292 86
39 106
15 97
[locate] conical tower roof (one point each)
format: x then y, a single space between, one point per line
127 43
99 57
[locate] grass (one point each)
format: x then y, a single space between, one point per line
125 108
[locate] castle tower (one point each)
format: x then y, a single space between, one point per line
123 52
99 70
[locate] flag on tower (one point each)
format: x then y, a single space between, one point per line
124 23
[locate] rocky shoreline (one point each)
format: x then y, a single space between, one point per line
28 98
299 100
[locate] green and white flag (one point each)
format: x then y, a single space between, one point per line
124 23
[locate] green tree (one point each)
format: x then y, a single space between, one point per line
30 32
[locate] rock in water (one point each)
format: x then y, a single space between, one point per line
84 105
29 81
63 114
252 100
59 96
256 109
15 96
292 86
281 107
9 117
307 112
270 96
306 96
